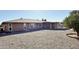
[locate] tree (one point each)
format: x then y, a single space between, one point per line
74 12
67 22
72 21
75 24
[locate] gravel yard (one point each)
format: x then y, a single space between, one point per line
44 39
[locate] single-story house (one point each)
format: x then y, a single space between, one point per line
28 25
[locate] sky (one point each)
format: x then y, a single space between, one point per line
50 15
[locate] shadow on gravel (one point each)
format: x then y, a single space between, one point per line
61 29
71 35
13 33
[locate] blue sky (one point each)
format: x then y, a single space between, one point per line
50 15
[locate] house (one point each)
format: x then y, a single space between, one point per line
28 25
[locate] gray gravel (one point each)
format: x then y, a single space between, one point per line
44 39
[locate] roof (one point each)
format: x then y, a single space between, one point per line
22 20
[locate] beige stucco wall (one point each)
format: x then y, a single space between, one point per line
14 27
5 27
17 27
30 26
22 26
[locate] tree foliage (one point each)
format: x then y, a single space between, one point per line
72 21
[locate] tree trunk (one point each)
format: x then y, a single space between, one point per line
78 34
